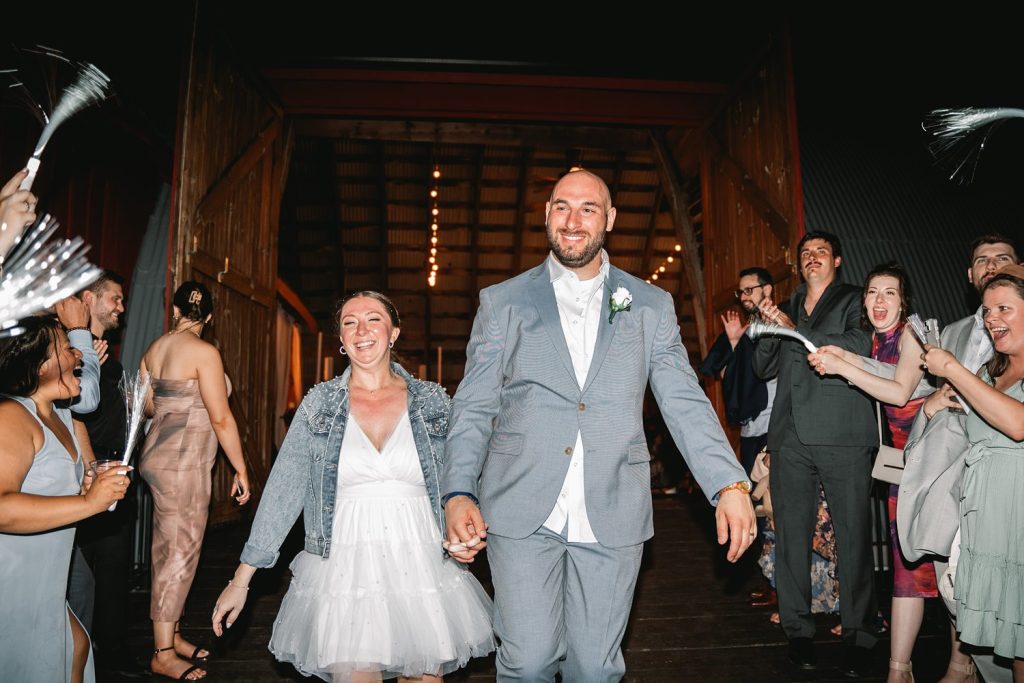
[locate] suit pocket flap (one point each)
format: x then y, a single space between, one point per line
638 453
507 443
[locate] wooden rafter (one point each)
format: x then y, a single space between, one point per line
243 164
520 227
382 215
751 191
677 196
474 216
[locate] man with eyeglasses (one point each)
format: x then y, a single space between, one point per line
748 398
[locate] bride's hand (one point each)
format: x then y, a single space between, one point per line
229 606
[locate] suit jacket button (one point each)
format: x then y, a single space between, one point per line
568 451
582 407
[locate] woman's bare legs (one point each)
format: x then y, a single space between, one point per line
81 652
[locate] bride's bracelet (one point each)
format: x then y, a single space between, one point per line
232 583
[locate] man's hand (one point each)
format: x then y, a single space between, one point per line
734 326
774 314
102 349
736 522
466 528
72 312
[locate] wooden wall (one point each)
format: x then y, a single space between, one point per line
231 158
751 190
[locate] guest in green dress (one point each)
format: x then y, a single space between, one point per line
989 584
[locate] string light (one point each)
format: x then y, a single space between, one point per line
434 213
664 264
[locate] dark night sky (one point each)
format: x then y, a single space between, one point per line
861 75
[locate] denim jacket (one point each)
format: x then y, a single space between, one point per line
305 475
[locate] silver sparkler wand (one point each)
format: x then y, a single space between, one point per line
135 390
89 88
961 134
759 328
40 273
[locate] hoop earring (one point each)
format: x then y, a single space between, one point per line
391 345
341 350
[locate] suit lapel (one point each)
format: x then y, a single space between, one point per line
605 330
543 296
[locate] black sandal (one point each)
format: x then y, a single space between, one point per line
184 674
195 652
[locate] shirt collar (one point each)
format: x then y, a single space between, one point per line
557 271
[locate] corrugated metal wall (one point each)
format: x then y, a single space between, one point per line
885 202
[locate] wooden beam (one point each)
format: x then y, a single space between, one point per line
679 202
652 231
382 215
293 300
750 190
474 217
519 227
375 93
490 133
620 158
228 182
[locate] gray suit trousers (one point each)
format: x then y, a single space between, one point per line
561 607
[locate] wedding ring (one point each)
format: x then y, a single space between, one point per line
752 533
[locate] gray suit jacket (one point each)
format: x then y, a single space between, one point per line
928 509
519 408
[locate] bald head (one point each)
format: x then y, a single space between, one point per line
579 178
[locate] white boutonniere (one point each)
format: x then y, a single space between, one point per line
619 300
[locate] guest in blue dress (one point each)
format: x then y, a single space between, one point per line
42 495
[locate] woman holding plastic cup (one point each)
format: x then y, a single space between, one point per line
43 492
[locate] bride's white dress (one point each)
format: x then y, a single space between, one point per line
385 599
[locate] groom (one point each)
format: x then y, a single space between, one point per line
546 457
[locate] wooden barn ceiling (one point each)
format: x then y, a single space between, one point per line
368 131
356 215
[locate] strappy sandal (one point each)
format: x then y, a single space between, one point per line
193 657
900 666
184 674
968 670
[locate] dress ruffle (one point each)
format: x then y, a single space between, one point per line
387 602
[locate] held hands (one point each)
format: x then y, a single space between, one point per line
735 521
240 490
734 326
107 488
466 529
829 360
774 314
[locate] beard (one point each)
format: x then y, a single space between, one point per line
588 250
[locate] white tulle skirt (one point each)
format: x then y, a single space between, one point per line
385 600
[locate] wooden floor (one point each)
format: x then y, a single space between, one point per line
690 619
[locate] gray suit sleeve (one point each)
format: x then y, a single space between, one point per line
475 404
687 411
89 398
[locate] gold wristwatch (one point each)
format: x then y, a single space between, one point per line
740 485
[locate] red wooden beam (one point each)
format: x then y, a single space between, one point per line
509 97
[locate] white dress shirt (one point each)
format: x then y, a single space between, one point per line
579 309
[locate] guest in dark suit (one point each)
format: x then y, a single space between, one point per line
822 431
